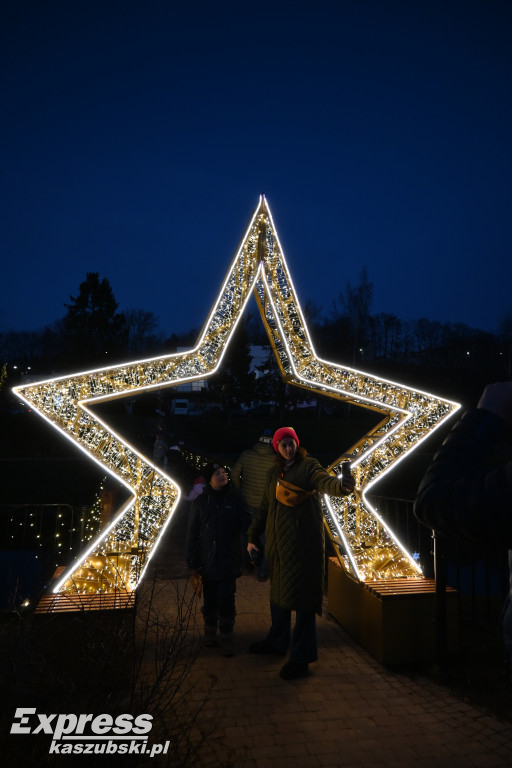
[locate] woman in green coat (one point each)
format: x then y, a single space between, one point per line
295 548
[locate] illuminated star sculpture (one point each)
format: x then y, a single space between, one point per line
118 557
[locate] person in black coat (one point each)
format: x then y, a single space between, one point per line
218 522
467 490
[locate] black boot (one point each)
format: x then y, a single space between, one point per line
210 636
293 669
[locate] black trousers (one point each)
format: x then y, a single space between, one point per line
303 645
219 604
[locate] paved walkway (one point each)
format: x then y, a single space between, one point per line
350 712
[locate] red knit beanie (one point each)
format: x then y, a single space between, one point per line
282 433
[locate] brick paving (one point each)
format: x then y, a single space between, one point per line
350 712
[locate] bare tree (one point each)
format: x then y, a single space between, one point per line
142 327
356 301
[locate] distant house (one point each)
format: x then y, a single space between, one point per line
260 355
179 407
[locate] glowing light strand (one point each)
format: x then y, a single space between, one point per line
118 557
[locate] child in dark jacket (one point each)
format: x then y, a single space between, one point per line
218 521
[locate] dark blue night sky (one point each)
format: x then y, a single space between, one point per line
137 137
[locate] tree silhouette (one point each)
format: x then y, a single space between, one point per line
233 384
356 301
448 357
141 327
93 332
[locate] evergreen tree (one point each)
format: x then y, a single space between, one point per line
93 331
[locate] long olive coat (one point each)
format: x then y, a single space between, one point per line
249 472
294 536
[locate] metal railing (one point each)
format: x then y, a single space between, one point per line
478 572
55 528
35 539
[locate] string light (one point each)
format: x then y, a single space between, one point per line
118 556
42 528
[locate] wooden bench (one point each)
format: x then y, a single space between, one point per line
96 601
393 619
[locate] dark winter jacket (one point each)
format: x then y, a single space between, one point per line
467 490
217 522
295 536
249 472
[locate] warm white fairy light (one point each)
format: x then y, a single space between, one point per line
409 416
118 557
90 525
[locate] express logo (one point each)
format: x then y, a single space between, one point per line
60 726
89 734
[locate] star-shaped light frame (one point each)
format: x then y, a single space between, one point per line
117 559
